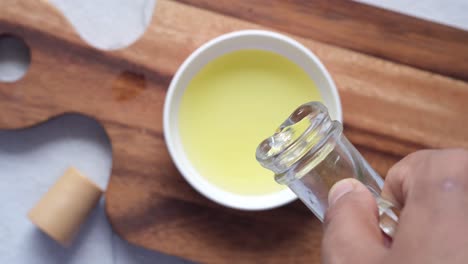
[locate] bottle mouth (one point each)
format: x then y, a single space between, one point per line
302 131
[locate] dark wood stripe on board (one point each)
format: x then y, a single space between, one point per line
374 31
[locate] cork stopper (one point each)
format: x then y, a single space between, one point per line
65 206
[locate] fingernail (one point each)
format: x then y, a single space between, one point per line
339 189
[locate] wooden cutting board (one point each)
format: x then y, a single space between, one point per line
403 84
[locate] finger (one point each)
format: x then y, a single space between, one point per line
399 177
431 186
351 228
438 197
427 176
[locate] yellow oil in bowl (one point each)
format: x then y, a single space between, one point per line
231 105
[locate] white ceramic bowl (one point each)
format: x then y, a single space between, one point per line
246 39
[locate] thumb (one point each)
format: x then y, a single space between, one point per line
351 226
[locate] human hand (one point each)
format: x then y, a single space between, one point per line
431 187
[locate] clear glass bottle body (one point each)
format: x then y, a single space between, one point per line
309 153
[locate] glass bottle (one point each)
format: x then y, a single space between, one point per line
309 153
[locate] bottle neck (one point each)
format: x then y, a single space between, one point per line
307 131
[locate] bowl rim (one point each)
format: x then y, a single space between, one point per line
182 163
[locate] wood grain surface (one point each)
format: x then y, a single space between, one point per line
358 27
402 82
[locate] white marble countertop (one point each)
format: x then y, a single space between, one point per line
31 160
